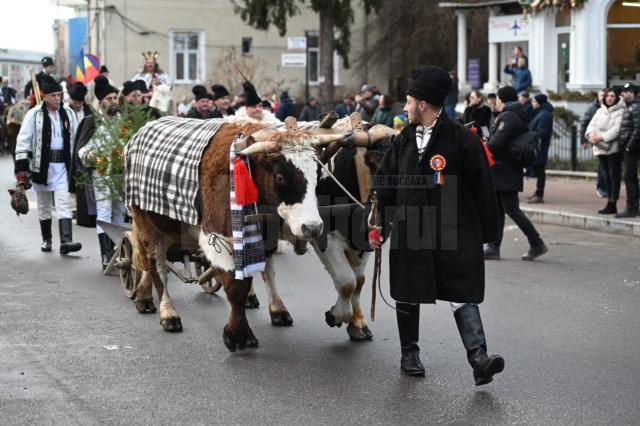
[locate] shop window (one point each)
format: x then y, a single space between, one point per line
623 43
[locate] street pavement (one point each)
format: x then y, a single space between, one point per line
74 350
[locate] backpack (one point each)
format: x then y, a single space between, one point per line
525 148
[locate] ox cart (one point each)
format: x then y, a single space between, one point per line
194 264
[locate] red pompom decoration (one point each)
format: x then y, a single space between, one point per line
474 130
374 235
246 191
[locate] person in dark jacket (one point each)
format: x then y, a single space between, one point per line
48 67
508 176
384 113
311 111
542 124
222 102
524 99
434 185
521 75
201 109
286 107
477 112
346 107
630 144
451 100
601 188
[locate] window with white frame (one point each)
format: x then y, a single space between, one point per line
313 61
187 56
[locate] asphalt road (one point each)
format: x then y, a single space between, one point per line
74 350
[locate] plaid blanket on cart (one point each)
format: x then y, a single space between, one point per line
163 166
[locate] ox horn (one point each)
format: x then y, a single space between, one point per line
258 147
327 139
263 134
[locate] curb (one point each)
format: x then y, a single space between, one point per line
572 175
579 221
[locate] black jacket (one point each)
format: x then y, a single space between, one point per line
629 138
28 87
507 175
438 230
81 183
193 113
480 114
217 114
586 119
542 124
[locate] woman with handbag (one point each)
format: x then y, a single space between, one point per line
602 133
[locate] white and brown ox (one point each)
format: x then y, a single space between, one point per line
343 250
284 171
162 100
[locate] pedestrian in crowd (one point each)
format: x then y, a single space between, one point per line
253 106
452 97
477 112
601 188
508 175
48 68
399 121
517 54
602 133
384 113
524 99
542 124
491 103
201 110
77 108
222 101
7 93
311 111
184 107
447 266
130 94
238 101
43 154
367 103
346 107
630 145
521 75
110 207
286 107
104 71
266 106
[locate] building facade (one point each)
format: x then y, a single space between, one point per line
206 42
16 66
580 50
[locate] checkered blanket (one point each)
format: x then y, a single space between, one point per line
163 166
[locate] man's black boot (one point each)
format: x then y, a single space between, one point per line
610 208
470 328
66 237
536 249
45 230
492 252
409 329
106 249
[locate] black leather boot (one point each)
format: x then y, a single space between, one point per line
45 230
536 249
472 334
66 237
492 252
409 329
106 249
610 208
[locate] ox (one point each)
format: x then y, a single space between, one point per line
343 248
283 170
162 100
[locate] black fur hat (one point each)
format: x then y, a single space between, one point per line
141 86
200 92
128 87
78 91
50 85
430 84
102 87
250 94
219 91
507 94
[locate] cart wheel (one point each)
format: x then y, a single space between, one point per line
129 277
210 287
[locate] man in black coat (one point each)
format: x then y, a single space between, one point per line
434 185
48 68
201 109
542 124
630 143
508 176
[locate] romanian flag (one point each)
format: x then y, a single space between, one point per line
88 68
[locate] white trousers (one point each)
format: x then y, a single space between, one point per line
107 210
46 204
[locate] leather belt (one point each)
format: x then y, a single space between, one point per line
57 156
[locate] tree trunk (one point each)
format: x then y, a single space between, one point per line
327 45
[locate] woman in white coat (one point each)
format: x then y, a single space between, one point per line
602 133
